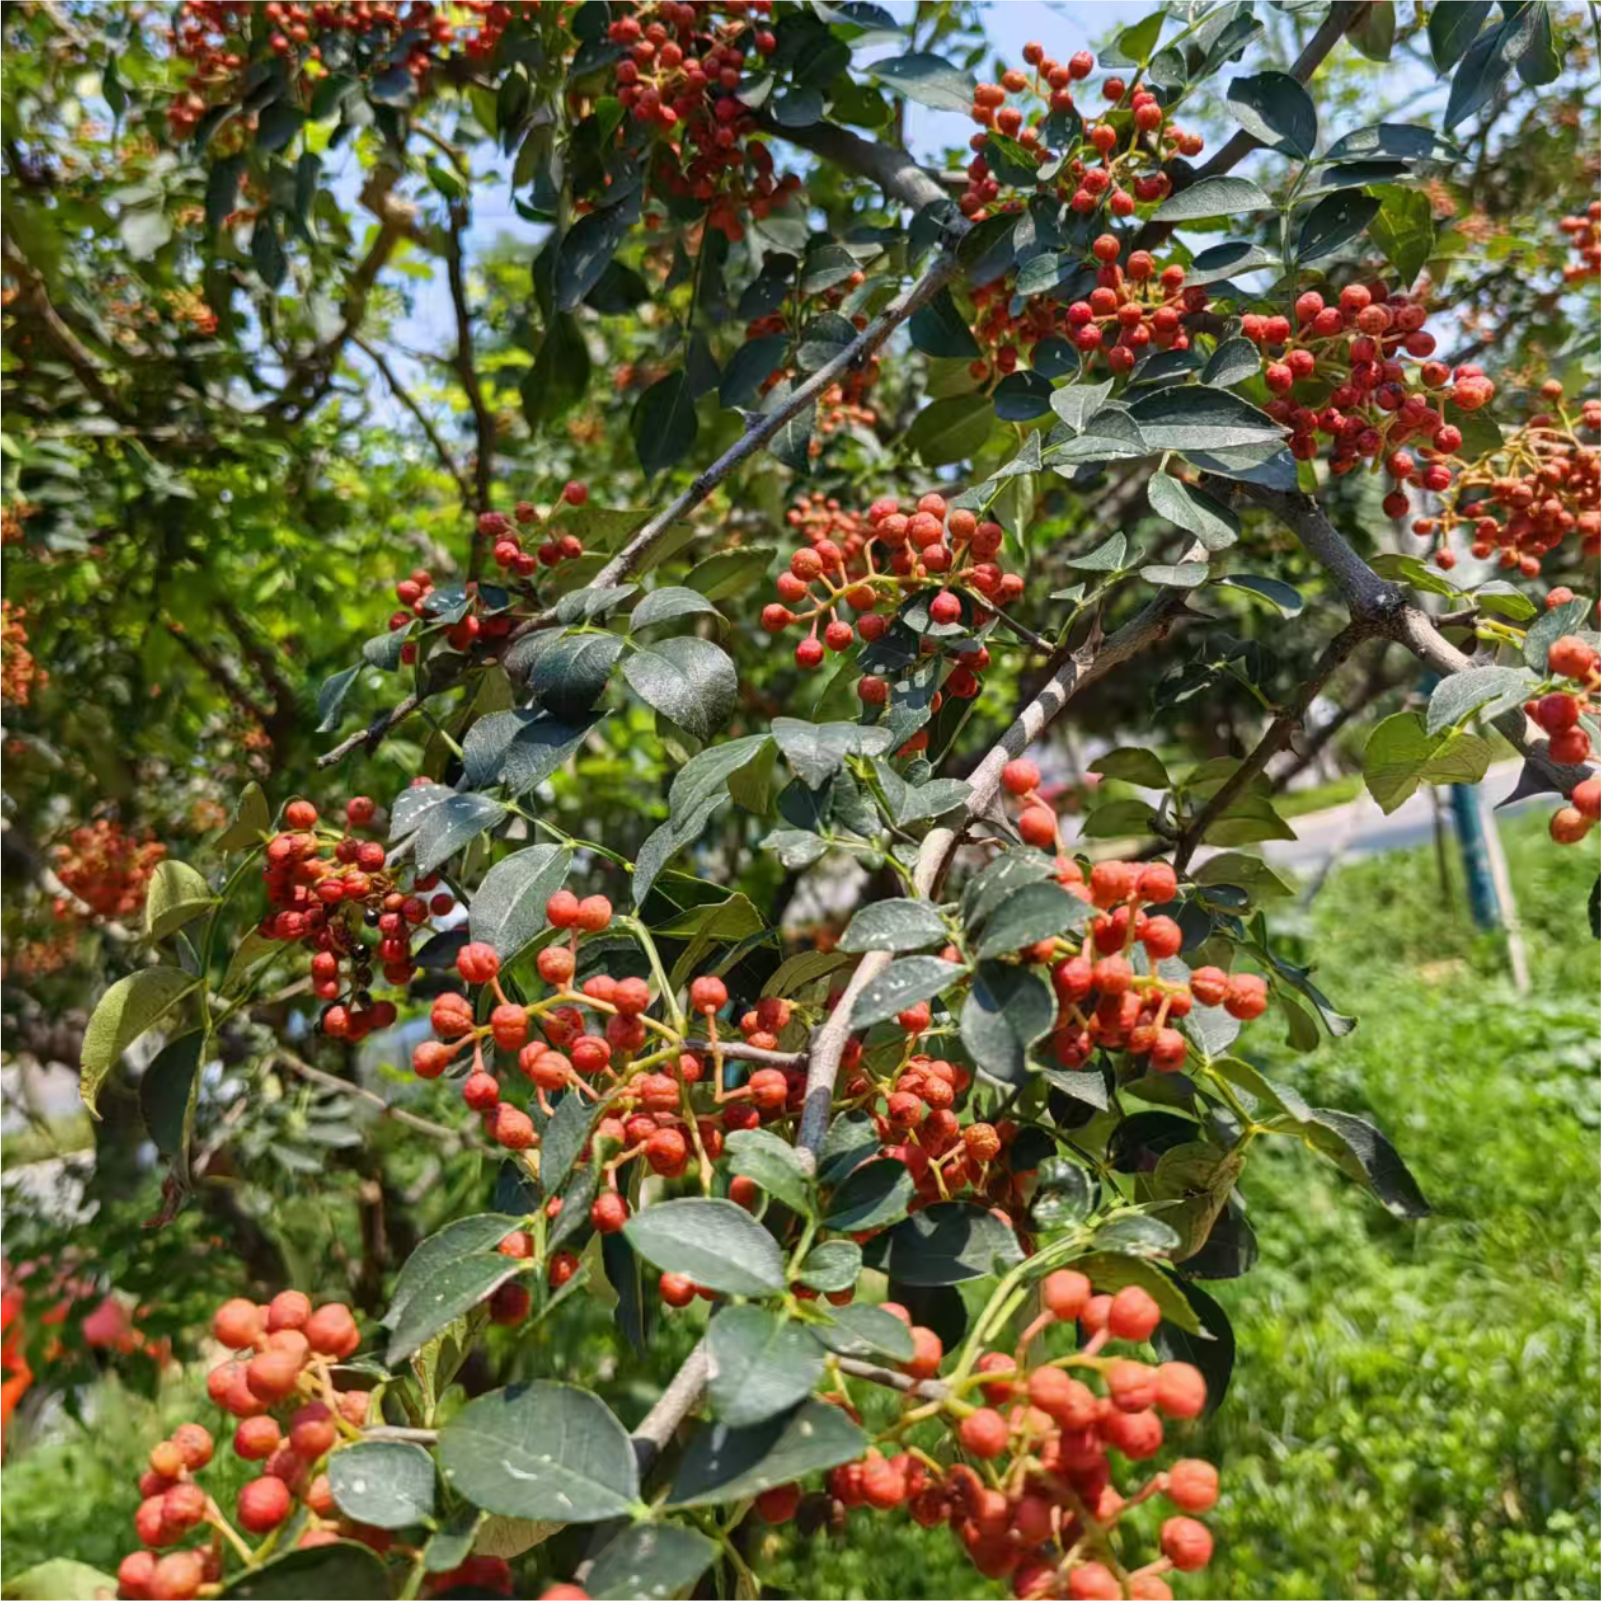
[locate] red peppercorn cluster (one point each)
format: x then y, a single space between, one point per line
1115 161
326 887
684 63
216 38
1534 491
860 564
1104 1000
106 867
280 1387
508 550
1043 1507
20 672
1352 356
1584 239
1571 661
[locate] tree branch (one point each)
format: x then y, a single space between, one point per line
373 733
1279 734
343 1086
409 401
1070 673
892 169
1384 609
467 371
219 673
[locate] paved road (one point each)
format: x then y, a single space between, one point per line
1359 828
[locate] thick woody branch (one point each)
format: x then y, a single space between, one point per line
1280 732
1383 609
892 169
1070 674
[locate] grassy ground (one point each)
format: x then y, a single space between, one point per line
1414 1411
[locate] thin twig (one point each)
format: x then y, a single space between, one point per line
343 1086
373 733
1278 735
409 401
467 371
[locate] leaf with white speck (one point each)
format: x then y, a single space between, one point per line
543 1451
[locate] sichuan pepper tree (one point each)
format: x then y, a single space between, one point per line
979 1145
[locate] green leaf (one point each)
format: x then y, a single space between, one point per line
1478 76
1397 141
688 679
951 430
724 1464
545 1451
569 675
995 883
1213 197
344 1571
1249 819
939 329
177 895
816 751
664 425
901 985
876 1193
929 79
1133 764
130 1007
518 749
1404 230
588 248
1284 598
1362 1151
449 827
1107 557
730 572
1333 222
453 1289
1111 1271
59 1579
331 698
1194 417
251 819
1176 575
861 1330
946 1243
559 376
1275 108
387 1483
1231 363
467 1236
759 1364
1568 618
1034 912
831 1267
564 1139
1487 690
894 925
1453 26
266 252
651 1561
165 1089
1021 397
1373 30
1010 1007
715 1243
1400 755
1119 819
824 266
749 368
760 1155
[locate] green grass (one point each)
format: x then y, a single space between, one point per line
1319 797
1414 1408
